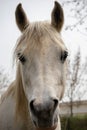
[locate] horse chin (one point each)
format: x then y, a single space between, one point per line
46 128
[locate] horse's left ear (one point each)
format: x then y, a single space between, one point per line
57 16
21 18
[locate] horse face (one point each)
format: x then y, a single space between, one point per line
43 76
42 59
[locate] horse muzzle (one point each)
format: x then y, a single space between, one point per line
44 114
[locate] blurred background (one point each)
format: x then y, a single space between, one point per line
74 34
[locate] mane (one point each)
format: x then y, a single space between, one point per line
21 100
37 31
10 91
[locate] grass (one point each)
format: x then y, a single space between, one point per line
74 123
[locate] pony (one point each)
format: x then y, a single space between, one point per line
31 102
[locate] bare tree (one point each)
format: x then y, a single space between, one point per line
77 14
76 80
4 79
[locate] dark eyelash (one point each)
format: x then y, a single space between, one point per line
21 57
64 56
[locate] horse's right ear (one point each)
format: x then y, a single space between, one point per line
21 18
57 17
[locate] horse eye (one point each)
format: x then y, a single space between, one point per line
64 56
21 57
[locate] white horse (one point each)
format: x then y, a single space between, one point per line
32 100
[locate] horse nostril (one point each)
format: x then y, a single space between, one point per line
32 105
35 107
43 109
55 103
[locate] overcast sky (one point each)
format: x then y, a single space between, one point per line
36 10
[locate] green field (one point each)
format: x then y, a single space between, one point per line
74 123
